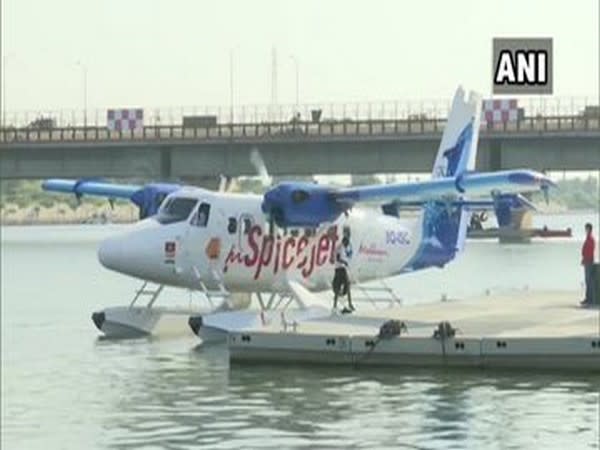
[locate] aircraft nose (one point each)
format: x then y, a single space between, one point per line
131 253
136 252
110 253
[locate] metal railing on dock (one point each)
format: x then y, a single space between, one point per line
377 294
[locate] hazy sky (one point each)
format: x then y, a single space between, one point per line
171 53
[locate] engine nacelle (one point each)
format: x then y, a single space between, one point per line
150 197
510 208
300 205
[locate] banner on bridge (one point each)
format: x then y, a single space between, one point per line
500 111
126 119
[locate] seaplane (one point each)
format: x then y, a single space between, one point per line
285 242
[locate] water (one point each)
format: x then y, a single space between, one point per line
64 388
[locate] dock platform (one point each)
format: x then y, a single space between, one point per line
521 330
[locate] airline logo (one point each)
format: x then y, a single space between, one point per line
280 253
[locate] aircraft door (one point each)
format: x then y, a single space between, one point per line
218 243
197 241
245 224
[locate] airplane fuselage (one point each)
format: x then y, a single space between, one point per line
226 241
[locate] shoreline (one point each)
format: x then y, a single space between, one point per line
63 214
35 223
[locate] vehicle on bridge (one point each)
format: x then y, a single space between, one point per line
42 123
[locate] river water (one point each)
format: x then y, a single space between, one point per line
62 387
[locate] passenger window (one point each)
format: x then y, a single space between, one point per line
247 225
201 217
232 225
310 232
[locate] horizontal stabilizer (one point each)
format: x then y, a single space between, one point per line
516 201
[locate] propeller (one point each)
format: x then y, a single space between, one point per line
545 187
225 183
261 169
545 191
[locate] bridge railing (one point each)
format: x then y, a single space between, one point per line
259 114
299 130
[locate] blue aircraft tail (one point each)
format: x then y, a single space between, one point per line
458 147
444 226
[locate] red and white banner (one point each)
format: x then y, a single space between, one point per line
125 119
499 111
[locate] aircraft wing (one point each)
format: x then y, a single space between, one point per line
469 184
147 198
90 187
306 204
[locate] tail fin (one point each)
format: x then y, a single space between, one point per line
444 227
458 148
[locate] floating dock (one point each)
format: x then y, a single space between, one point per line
524 330
518 235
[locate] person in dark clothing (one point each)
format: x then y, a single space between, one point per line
587 261
341 281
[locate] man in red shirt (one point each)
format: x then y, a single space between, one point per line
587 261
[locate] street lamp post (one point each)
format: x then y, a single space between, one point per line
84 70
85 96
297 82
231 86
4 91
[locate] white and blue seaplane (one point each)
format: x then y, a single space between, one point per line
285 241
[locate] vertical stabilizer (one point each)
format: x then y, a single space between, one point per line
444 227
458 148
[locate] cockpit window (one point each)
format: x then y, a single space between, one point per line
200 219
176 209
159 199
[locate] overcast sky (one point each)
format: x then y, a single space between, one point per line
171 53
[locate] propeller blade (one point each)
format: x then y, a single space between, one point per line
545 190
261 169
223 183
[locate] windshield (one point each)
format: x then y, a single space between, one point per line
176 209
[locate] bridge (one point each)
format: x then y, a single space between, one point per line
400 144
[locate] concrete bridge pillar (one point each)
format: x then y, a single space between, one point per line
166 172
495 155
